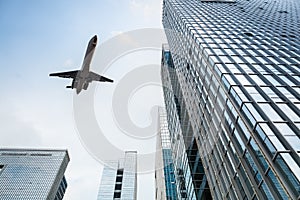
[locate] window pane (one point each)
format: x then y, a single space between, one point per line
276 184
270 112
286 170
294 141
285 129
292 164
255 94
277 143
289 112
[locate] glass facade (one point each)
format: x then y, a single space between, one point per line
32 174
119 178
191 181
232 91
164 169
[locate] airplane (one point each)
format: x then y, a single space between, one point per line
82 78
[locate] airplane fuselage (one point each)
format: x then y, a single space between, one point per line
81 79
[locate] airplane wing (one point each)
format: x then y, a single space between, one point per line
70 74
96 77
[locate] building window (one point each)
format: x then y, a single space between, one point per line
120 171
117 195
119 178
41 154
1 167
118 186
14 154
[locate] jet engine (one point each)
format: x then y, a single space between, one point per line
85 85
74 83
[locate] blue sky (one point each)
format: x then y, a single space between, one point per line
39 37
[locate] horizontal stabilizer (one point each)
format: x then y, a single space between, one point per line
68 86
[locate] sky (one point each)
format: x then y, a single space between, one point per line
39 37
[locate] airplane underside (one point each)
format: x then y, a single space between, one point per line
82 78
75 83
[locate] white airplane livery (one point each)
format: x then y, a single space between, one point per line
82 78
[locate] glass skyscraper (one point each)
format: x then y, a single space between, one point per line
32 174
231 77
191 181
165 183
119 178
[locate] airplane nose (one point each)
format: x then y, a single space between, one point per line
95 39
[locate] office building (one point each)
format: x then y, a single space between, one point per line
119 178
32 174
191 181
232 94
165 184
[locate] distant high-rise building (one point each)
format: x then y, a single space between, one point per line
232 93
119 178
165 183
32 174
